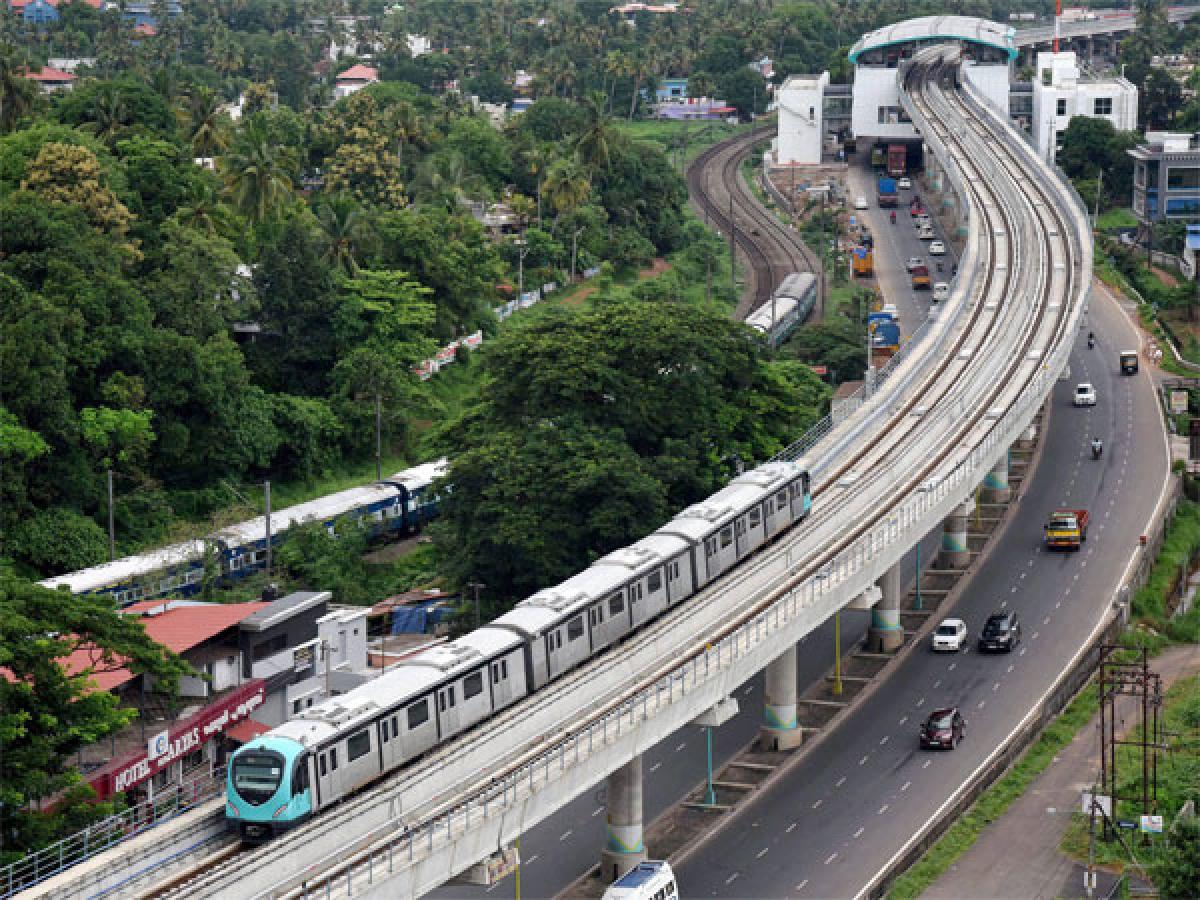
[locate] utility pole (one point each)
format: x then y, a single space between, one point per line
112 529
837 654
732 254
267 506
1099 188
476 586
378 437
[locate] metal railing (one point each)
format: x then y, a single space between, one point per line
109 832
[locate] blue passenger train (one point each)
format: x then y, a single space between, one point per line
399 504
334 748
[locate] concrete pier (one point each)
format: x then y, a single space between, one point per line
995 483
624 848
955 553
886 634
779 730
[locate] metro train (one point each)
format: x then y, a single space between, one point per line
789 306
401 503
332 749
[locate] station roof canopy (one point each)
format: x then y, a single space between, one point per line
939 28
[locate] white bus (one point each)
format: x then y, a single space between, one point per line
650 880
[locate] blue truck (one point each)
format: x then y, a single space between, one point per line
887 192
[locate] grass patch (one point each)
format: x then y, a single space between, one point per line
1117 218
689 138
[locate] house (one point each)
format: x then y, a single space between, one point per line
138 12
71 63
1063 90
695 108
671 89
353 80
52 80
1166 177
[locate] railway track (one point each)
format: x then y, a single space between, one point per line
1029 265
770 249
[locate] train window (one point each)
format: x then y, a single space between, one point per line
495 673
300 776
710 547
418 714
472 686
781 500
333 759
726 537
616 605
321 758
504 669
675 569
740 526
654 582
395 727
383 731
635 591
755 517
575 629
358 746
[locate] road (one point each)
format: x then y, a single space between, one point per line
841 814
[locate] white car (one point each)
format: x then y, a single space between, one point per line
904 184
926 233
949 636
941 290
913 262
860 202
1085 395
937 248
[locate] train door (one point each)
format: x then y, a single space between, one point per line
329 781
679 578
796 492
656 593
447 704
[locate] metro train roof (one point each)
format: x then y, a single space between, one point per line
701 520
320 510
580 589
771 311
528 620
119 570
796 285
939 28
648 553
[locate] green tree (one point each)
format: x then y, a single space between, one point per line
347 233
119 437
1178 872
1094 146
18 95
567 186
206 126
258 175
48 714
745 89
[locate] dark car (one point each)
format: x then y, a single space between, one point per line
1001 631
943 729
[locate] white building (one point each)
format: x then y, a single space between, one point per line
353 80
988 47
1062 90
801 104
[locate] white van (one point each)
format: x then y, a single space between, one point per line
925 233
941 291
650 880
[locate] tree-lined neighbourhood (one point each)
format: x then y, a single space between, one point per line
213 271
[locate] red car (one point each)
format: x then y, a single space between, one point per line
943 729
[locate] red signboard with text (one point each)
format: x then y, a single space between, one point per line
181 739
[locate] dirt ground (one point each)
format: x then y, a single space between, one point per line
655 269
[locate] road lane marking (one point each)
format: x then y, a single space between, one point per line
791 828
883 740
532 860
858 833
981 704
801 885
817 804
566 834
832 856
1021 652
680 747
1011 667
952 667
1035 636
882 810
732 878
863 761
904 719
995 687
905 786
928 762
921 702
762 852
840 782
656 767
1046 621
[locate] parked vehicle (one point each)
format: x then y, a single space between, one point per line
1001 631
943 729
897 160
1129 362
863 259
949 636
937 248
860 203
1085 394
904 184
920 278
913 262
941 291
1066 529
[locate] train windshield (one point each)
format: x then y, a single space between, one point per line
257 775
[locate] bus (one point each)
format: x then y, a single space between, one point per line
897 160
649 880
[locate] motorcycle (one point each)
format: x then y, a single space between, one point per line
893 218
1091 341
1097 449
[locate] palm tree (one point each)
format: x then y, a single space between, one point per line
203 210
346 231
258 175
17 93
109 114
406 127
206 125
567 185
444 179
598 135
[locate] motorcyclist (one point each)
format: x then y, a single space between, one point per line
939 265
1097 448
1091 340
893 217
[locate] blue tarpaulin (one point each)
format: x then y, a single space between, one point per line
409 620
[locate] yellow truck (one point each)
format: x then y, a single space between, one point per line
1066 529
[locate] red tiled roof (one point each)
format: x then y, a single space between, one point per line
359 73
145 29
246 730
178 628
49 74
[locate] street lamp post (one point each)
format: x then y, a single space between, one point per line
476 587
574 245
522 246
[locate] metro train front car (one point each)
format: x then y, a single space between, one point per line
267 788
